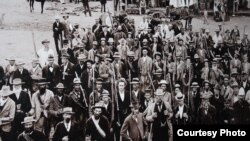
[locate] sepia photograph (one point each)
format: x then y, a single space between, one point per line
124 70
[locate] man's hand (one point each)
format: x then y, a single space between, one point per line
185 115
177 115
65 138
154 115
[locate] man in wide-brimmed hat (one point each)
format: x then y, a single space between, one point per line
78 100
182 112
36 68
57 33
120 69
72 131
137 94
29 131
8 108
167 95
40 102
160 113
133 126
58 102
23 104
10 69
97 125
23 74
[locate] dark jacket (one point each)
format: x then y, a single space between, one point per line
57 33
35 135
53 77
25 77
93 132
61 131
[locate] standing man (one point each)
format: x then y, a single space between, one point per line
137 94
23 105
86 7
89 38
23 73
40 104
159 114
103 5
29 133
51 72
133 127
97 125
7 114
10 69
66 130
57 33
68 71
145 68
44 53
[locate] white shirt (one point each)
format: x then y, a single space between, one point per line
136 93
122 95
60 98
67 125
43 56
17 94
181 110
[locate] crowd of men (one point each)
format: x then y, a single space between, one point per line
126 82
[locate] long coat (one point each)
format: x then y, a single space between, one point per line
124 109
61 131
89 38
145 67
68 79
25 106
93 132
182 121
135 129
7 112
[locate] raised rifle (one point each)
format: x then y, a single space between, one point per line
83 92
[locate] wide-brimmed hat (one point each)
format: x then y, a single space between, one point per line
177 85
145 48
163 82
122 40
45 41
11 59
17 81
59 86
196 56
235 84
51 57
179 96
159 92
195 85
157 53
81 57
110 40
105 93
131 54
19 62
206 82
135 81
144 40
99 81
116 55
77 81
158 72
65 55
234 71
28 119
68 110
98 105
35 61
5 91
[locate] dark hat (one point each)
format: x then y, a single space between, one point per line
90 61
45 41
148 90
226 76
105 26
116 55
217 87
144 48
158 72
50 57
65 55
179 96
206 82
65 41
157 53
135 104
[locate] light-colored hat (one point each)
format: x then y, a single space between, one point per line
122 41
130 54
159 92
68 110
77 81
135 81
11 59
177 85
241 92
144 40
60 86
35 61
28 119
195 85
57 17
163 82
5 91
98 105
179 96
158 72
196 56
111 40
82 57
17 81
19 62
235 84
105 93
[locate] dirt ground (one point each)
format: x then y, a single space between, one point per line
19 23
